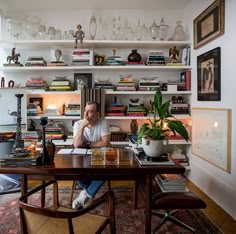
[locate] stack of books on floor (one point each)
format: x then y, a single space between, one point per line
36 61
60 84
36 83
171 183
82 57
126 84
149 84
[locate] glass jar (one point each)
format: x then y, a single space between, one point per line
14 27
179 34
163 29
93 27
154 30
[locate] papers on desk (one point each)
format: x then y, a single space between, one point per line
74 151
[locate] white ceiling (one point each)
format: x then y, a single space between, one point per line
28 5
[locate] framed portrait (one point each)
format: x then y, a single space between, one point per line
38 101
83 80
209 24
208 76
212 141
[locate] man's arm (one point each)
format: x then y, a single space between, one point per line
104 142
79 140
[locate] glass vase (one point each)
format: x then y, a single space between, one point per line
154 30
138 31
93 27
163 29
179 34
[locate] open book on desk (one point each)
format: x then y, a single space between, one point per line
74 151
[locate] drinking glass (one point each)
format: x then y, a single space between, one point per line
42 32
51 33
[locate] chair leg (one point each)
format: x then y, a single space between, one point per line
72 192
168 216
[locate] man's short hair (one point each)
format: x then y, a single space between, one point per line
98 106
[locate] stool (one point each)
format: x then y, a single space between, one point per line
174 201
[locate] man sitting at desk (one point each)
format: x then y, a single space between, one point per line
91 131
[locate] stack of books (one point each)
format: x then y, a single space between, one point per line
36 83
171 183
72 110
103 85
136 109
115 110
155 58
149 84
60 84
82 57
135 64
180 158
36 61
126 84
114 61
54 131
32 110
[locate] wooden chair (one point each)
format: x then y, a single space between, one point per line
36 219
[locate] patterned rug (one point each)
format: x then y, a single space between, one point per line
128 220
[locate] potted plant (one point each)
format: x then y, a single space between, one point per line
154 134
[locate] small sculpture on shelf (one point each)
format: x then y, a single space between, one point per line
79 35
174 55
14 57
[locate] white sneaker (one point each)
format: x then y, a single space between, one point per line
82 200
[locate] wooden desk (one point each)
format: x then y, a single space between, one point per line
72 167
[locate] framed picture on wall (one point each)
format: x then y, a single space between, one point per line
209 24
37 101
208 76
83 80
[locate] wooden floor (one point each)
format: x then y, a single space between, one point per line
223 220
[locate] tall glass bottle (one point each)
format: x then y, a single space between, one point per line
138 31
93 27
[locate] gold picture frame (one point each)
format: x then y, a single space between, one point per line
209 24
212 141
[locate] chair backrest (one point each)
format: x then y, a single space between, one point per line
35 219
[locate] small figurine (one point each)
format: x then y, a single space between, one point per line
174 55
79 35
13 57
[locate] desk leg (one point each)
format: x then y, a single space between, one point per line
24 185
148 204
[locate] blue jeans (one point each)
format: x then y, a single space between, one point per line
90 186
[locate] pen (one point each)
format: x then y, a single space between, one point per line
72 150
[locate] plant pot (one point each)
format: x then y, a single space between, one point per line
153 148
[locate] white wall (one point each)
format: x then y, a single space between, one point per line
218 184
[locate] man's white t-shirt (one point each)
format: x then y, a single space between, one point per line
95 133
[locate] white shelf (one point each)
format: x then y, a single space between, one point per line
93 44
38 91
95 68
142 117
58 117
113 92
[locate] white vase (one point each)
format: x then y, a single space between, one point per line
153 148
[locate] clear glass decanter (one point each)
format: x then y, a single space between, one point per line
144 31
138 31
93 27
179 34
154 30
163 29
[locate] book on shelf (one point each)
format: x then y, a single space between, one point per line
161 161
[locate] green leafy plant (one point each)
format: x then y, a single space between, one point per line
162 123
